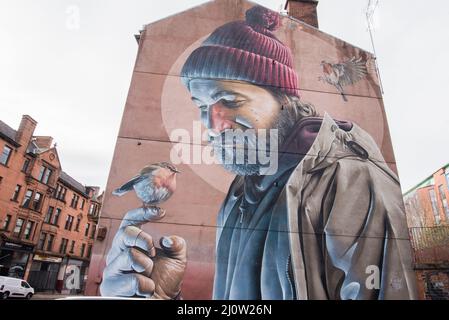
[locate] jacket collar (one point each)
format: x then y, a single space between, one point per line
333 143
320 154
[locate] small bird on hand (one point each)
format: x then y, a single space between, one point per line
153 185
343 74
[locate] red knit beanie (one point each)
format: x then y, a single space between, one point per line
246 51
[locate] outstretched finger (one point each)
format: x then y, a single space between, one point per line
139 216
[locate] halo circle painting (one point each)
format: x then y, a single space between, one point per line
174 94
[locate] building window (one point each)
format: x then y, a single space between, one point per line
86 232
6 222
83 248
49 214
60 192
63 247
40 244
93 209
436 212
57 191
6 154
16 194
51 239
78 221
44 174
89 251
72 246
82 204
56 217
94 228
74 202
37 201
18 227
68 223
28 230
26 164
443 200
47 175
41 173
27 198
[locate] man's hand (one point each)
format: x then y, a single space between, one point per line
135 267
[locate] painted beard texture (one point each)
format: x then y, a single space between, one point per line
238 151
233 152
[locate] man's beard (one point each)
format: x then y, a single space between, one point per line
227 150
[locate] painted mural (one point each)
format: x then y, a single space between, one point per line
253 162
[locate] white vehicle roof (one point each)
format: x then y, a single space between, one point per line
10 279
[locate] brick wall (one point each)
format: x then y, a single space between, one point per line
433 284
12 174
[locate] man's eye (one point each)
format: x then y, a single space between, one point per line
231 103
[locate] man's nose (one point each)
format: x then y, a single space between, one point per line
216 118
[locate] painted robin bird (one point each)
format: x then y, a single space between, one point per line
343 74
153 185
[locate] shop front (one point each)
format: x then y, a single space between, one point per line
44 272
14 258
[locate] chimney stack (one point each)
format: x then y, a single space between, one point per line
303 10
26 130
44 142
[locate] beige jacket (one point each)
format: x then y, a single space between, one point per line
348 233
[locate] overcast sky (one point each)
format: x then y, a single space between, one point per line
74 78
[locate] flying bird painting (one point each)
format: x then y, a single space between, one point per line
343 74
155 184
